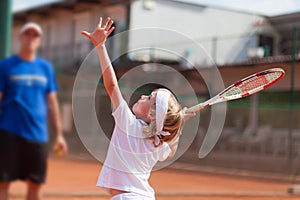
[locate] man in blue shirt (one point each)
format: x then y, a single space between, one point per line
27 97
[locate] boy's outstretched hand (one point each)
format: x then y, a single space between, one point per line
100 34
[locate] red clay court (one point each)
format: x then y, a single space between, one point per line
75 180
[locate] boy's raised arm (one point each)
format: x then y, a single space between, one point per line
98 38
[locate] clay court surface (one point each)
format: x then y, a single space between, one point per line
75 180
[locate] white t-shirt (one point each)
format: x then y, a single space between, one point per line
130 157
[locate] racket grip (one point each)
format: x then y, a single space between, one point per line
196 108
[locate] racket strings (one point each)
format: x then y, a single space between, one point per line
273 76
252 85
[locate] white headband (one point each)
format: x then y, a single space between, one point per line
162 100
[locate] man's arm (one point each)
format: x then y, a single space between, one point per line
60 145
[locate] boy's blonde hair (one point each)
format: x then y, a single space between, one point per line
172 123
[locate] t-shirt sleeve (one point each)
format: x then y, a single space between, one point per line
126 120
52 83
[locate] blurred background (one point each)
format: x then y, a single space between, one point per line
261 132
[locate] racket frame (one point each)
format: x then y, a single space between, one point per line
220 97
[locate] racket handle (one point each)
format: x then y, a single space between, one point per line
196 107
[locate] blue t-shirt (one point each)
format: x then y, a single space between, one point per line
25 85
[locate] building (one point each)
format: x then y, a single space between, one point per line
63 22
227 36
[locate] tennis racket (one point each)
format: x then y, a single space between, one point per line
243 88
